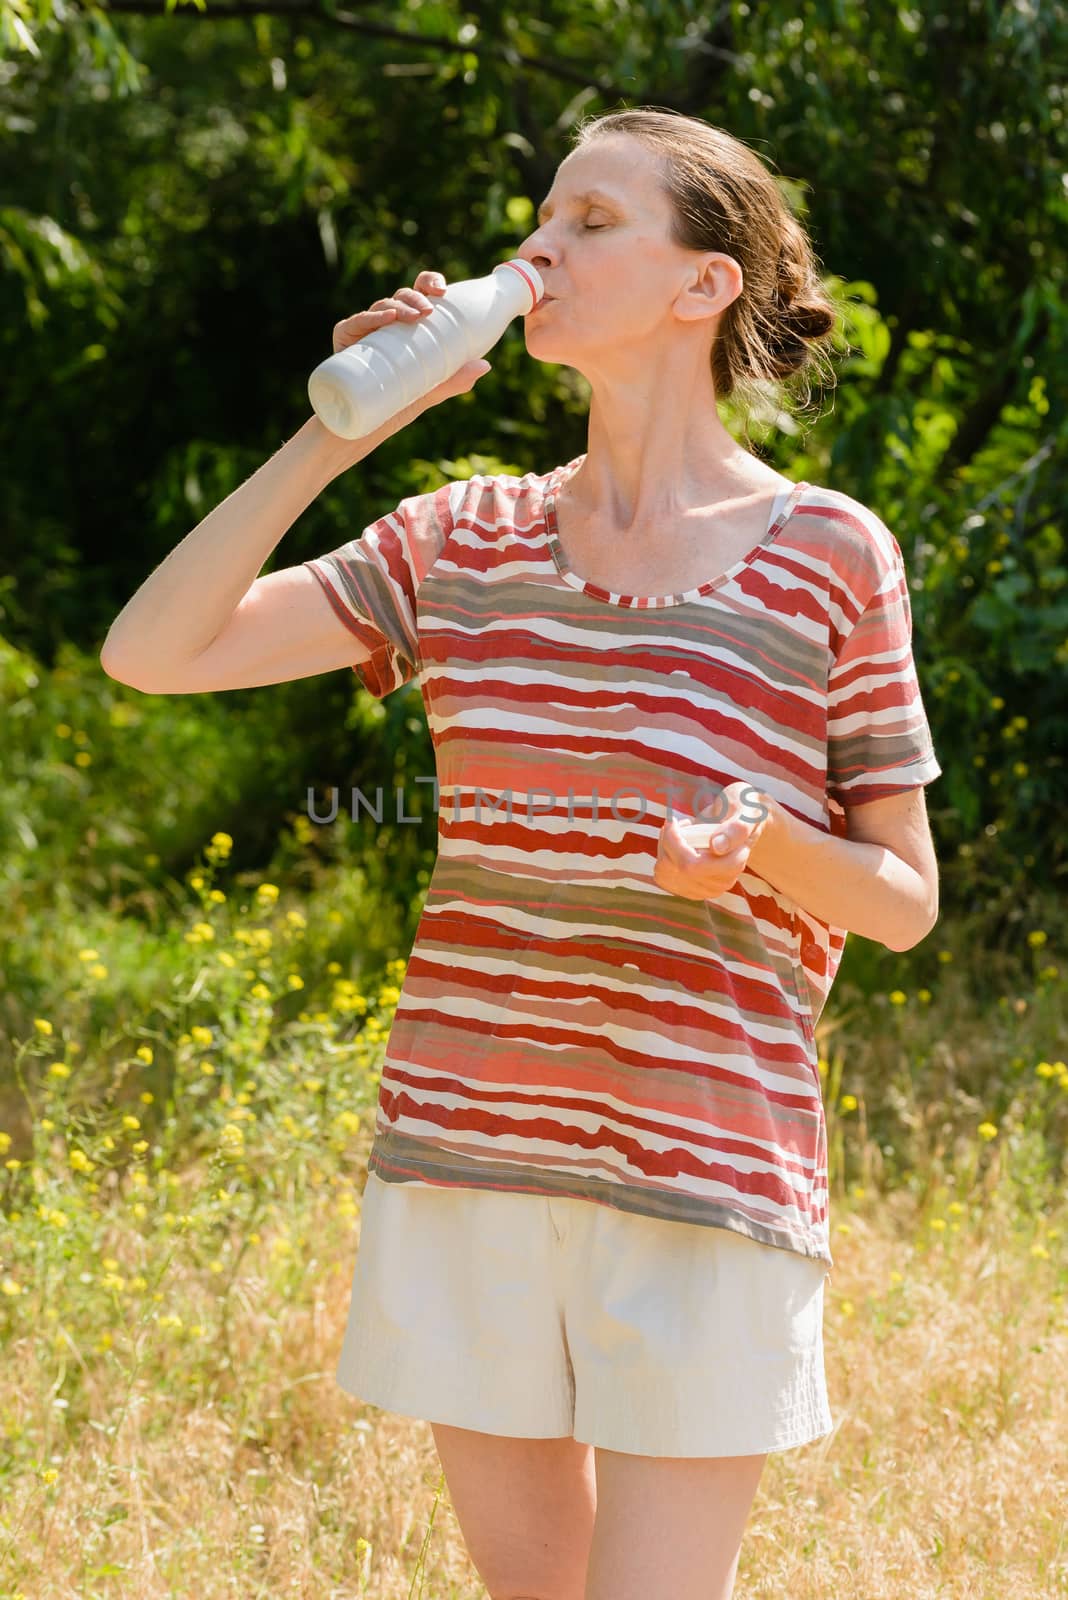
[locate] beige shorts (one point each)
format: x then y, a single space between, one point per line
541 1318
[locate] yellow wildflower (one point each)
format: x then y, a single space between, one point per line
848 1102
200 1035
130 1122
42 1025
144 1053
987 1130
268 892
88 955
222 842
59 1069
898 997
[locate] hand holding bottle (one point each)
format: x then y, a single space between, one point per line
409 305
382 374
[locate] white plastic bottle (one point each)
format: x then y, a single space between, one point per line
358 389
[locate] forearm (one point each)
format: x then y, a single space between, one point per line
193 593
863 888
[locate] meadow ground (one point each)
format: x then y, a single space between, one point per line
184 1129
206 1449
218 1461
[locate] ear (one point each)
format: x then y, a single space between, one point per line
716 283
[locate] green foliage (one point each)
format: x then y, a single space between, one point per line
194 198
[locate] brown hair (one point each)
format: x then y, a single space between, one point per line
723 197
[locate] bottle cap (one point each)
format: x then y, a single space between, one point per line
530 276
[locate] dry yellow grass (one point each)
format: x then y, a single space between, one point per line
252 1474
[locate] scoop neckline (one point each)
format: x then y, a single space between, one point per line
653 601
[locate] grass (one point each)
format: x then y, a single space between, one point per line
204 1448
183 1150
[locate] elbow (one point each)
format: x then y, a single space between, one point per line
114 667
925 915
121 671
918 935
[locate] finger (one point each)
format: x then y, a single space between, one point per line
399 307
431 282
715 838
413 298
677 845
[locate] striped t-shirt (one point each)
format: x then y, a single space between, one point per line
565 1026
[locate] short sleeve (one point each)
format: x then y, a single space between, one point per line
878 738
372 583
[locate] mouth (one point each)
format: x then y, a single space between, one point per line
546 299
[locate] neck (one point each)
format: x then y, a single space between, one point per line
647 460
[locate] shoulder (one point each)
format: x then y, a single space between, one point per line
860 552
496 500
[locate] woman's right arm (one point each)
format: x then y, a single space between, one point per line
204 620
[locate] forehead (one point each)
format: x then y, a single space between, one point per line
613 170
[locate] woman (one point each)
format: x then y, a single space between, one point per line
595 1231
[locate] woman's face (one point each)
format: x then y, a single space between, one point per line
616 279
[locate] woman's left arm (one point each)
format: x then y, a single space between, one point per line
880 882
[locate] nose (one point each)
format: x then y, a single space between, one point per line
533 250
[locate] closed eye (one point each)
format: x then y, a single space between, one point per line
591 225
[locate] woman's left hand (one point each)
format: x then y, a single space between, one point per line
703 873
